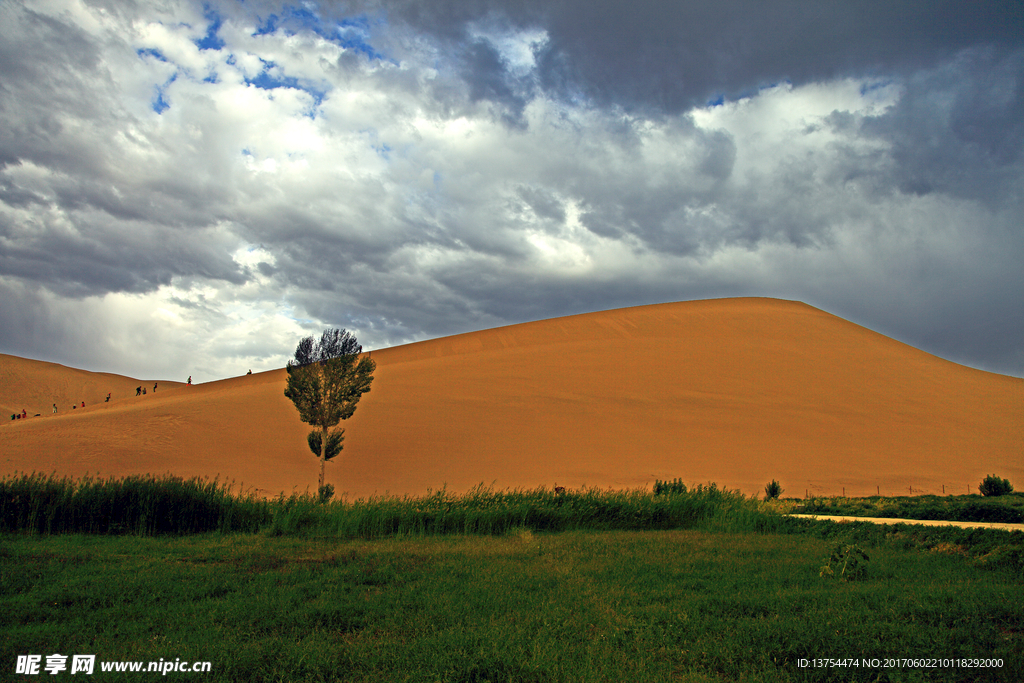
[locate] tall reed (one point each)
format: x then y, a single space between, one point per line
149 505
485 511
143 505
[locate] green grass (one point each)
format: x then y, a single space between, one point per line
678 605
686 584
1008 509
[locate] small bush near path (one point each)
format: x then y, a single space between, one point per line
983 548
994 486
847 562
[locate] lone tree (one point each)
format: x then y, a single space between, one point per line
326 379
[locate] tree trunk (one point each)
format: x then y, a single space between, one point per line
323 457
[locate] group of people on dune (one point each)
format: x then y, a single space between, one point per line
24 415
139 391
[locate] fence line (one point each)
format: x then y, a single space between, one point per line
910 490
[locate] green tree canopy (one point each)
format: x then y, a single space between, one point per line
326 379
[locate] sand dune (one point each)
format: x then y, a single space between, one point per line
735 391
35 386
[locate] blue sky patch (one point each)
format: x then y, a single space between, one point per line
151 52
159 103
352 33
268 81
865 88
291 20
211 41
267 26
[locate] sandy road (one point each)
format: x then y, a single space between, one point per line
924 522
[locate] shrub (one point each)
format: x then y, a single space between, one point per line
994 486
666 487
326 491
772 490
847 563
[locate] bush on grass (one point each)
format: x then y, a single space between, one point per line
994 486
848 562
326 491
772 490
664 488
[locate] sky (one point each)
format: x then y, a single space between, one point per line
189 188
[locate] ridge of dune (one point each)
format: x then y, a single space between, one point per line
734 391
35 386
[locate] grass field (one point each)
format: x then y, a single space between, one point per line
696 584
682 605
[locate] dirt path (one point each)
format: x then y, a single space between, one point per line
925 522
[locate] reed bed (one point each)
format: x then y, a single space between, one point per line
485 511
167 505
148 506
140 505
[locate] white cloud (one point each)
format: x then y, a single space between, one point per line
381 196
517 47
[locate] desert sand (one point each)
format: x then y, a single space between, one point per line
732 391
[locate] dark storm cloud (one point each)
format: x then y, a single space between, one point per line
543 203
670 56
488 79
98 259
959 129
43 61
